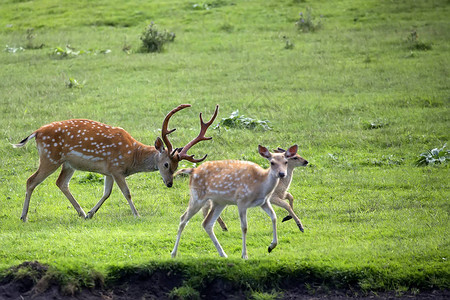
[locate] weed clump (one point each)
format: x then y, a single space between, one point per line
287 43
12 49
377 124
239 121
414 43
434 156
73 83
153 40
90 178
69 52
30 40
307 22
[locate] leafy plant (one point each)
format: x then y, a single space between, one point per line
377 124
72 52
241 122
153 40
414 43
388 160
307 22
184 293
266 296
203 6
11 49
287 43
30 40
73 83
209 5
434 156
90 178
68 52
126 47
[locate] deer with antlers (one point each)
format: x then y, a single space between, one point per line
87 145
231 182
279 194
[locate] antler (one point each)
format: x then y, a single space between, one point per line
165 132
201 137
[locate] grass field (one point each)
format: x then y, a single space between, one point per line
361 94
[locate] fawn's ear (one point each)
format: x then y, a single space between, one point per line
159 145
264 152
291 151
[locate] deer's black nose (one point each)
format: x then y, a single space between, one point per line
169 184
282 174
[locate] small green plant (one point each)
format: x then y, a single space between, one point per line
287 43
266 296
434 156
11 49
241 122
184 293
126 47
203 6
377 124
73 83
153 40
30 40
90 178
72 52
414 43
386 160
209 5
67 52
307 22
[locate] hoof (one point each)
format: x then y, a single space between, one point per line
270 249
301 228
287 218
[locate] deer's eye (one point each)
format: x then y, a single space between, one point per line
166 165
285 163
295 158
272 163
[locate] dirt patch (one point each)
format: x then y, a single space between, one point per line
31 280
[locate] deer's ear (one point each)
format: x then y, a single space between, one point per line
159 145
291 151
264 152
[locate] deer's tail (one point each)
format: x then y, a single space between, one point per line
24 141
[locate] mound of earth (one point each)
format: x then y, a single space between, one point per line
35 283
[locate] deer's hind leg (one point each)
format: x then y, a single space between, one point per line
193 207
205 211
63 184
46 168
279 202
208 225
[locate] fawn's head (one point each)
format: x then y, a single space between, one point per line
294 161
278 161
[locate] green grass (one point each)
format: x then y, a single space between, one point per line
372 218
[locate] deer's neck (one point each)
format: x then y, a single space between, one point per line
270 182
286 181
144 159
